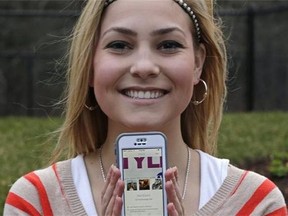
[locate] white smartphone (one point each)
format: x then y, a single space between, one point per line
141 158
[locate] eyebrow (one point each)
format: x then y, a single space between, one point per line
127 31
167 30
121 30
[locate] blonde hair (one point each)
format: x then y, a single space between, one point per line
84 131
200 124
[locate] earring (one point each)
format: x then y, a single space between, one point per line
196 102
91 108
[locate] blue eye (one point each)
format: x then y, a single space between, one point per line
119 46
170 46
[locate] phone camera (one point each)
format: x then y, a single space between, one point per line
141 140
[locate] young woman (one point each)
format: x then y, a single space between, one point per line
138 66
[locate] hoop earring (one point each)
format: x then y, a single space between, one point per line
196 102
91 108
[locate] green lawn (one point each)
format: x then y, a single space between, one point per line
249 137
244 138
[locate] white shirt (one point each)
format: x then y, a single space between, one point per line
213 173
82 184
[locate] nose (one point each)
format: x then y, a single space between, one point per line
144 65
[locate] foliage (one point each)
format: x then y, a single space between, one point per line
279 164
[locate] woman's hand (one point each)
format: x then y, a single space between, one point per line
175 206
111 197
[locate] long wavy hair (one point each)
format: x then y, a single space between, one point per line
84 131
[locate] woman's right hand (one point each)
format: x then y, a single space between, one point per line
175 202
111 197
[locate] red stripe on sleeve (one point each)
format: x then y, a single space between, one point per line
36 181
55 170
279 212
261 192
57 176
240 181
21 204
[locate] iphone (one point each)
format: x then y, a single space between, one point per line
141 158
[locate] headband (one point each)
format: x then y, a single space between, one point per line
108 2
185 7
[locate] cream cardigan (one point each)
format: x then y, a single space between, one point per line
51 191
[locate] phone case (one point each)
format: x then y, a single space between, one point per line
142 166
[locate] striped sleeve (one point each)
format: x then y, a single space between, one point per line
262 197
28 195
37 193
18 206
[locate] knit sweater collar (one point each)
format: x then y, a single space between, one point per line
66 179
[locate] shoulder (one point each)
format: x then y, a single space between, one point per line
256 192
251 180
33 191
42 178
32 180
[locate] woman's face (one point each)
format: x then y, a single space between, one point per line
145 65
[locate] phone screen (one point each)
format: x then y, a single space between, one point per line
142 174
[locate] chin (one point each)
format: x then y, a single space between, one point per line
140 127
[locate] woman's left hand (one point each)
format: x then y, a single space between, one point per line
175 205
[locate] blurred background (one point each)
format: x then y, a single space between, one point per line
33 39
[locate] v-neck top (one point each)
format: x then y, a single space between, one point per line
213 173
52 191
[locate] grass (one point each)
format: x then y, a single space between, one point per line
244 138
250 137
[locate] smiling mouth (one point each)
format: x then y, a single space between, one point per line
144 94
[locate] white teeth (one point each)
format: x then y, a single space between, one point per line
141 94
147 95
144 94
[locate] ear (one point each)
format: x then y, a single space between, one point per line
200 56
